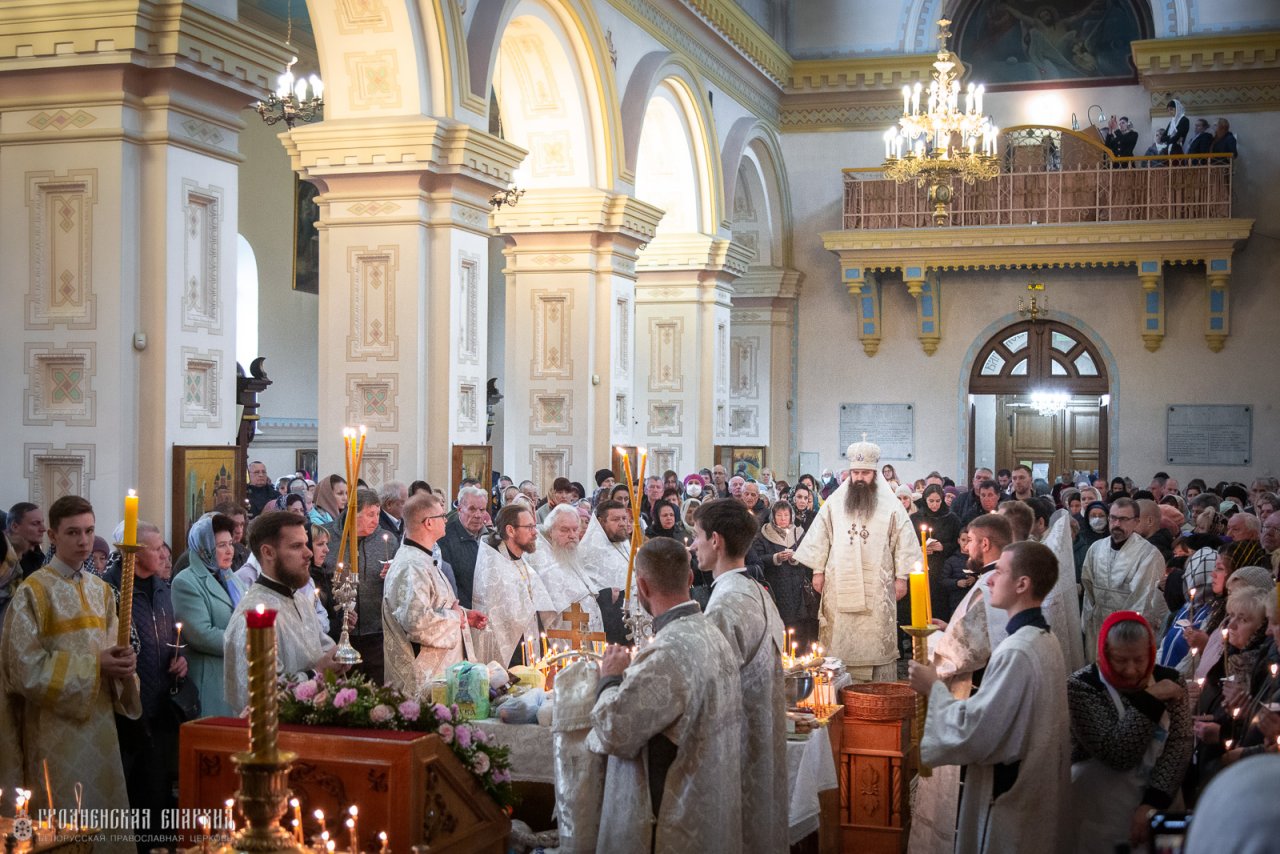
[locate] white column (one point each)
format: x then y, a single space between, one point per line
570 317
403 286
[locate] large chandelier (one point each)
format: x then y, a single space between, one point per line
944 141
291 102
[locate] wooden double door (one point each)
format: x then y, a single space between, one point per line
1069 440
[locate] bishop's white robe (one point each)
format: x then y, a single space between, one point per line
512 596
858 619
300 645
744 612
683 686
419 607
1123 580
1015 729
567 582
54 702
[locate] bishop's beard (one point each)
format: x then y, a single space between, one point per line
860 499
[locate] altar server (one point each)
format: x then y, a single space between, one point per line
1013 736
745 614
670 720
424 629
506 590
558 562
278 539
63 678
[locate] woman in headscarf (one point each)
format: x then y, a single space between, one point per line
773 550
1175 133
666 523
1131 737
804 506
1192 618
944 537
1093 529
1238 811
1227 573
204 596
331 501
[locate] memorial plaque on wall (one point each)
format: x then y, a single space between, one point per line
889 425
1209 435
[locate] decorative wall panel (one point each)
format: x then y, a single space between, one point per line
722 357
665 370
469 308
60 385
743 366
201 377
662 458
54 472
744 420
372 334
374 79
60 212
622 348
373 400
380 463
469 404
551 412
549 463
666 418
621 412
201 239
551 335
362 16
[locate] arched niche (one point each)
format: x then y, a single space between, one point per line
675 168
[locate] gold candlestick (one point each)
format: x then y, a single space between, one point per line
129 555
920 653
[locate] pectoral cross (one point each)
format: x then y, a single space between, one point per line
576 634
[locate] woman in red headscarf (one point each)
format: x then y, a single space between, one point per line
1131 736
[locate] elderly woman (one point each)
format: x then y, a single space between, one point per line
774 551
1131 737
204 596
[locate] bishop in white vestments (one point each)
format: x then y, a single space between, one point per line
557 562
862 547
1121 573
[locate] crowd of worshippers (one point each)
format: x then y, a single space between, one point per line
1167 675
1179 136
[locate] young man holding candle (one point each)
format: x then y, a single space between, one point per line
278 540
1012 737
745 614
605 551
424 629
63 678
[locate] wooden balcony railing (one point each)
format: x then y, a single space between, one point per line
1052 175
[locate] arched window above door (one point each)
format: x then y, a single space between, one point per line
1044 355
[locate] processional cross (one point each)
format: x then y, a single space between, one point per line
576 634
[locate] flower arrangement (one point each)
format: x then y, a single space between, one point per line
353 700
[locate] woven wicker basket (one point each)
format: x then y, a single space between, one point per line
879 701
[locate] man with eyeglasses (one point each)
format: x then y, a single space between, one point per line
461 541
507 590
1121 573
424 629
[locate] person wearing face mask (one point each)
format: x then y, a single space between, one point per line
1094 529
1131 737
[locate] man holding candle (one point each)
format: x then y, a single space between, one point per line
278 540
63 677
605 553
424 629
862 548
1012 737
507 591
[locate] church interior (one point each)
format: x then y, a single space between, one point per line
520 236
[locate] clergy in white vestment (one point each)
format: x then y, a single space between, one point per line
862 547
506 590
605 550
558 565
424 629
63 679
1121 573
670 720
1013 736
279 540
960 653
744 612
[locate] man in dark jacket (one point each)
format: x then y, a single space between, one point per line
461 541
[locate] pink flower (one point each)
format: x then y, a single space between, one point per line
381 713
481 763
501 775
442 713
482 737
463 735
344 697
446 733
305 690
320 699
409 710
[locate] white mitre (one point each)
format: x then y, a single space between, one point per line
863 455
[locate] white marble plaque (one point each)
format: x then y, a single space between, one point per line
1209 435
889 425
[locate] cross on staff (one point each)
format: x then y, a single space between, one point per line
576 634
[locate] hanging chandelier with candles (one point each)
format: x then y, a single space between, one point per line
943 141
296 99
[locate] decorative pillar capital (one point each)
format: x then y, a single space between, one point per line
1151 280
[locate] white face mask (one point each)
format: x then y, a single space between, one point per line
1098 523
693 490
